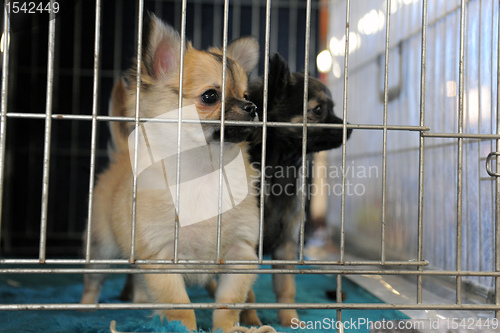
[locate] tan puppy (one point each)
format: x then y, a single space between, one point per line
155 210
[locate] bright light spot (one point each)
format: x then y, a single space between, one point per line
451 89
372 22
324 61
397 5
354 41
2 43
478 104
337 46
336 70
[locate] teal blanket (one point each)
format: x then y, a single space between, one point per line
59 288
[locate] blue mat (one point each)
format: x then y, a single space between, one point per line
58 288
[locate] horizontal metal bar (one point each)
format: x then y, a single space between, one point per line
242 271
214 262
462 135
257 306
226 122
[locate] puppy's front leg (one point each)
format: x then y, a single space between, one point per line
284 284
249 316
170 288
92 285
134 289
232 288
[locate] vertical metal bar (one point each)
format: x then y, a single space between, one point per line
384 149
492 143
497 182
344 130
420 234
48 130
344 158
51 204
304 132
97 53
339 300
480 117
461 84
179 131
222 125
136 132
3 115
264 130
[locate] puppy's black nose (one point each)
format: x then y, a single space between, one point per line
250 107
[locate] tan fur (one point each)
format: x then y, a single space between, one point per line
155 212
117 108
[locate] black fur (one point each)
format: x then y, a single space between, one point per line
284 144
283 160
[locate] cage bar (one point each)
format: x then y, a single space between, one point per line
97 54
3 114
242 306
304 132
264 129
179 131
140 21
222 126
461 85
384 149
421 154
497 184
47 135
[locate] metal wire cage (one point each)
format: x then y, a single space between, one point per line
430 210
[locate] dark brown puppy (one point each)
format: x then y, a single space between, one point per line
283 157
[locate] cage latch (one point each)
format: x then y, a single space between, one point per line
488 164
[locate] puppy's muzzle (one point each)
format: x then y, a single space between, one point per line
251 109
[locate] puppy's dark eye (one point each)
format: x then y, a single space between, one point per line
245 96
317 110
210 97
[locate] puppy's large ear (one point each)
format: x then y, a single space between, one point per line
245 51
279 75
161 48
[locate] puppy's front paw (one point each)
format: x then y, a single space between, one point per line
225 319
285 317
